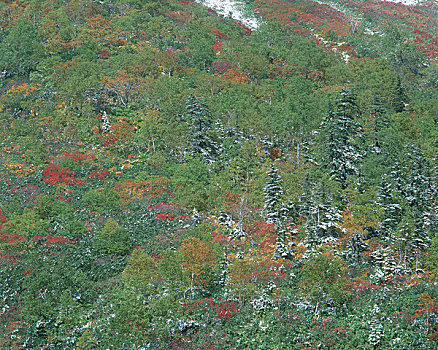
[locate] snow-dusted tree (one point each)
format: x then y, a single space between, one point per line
322 218
273 193
406 197
399 101
340 154
230 139
234 230
376 331
200 122
387 199
278 213
385 262
417 191
283 244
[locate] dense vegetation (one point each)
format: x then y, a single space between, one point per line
172 179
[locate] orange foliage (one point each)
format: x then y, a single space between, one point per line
198 256
25 88
132 189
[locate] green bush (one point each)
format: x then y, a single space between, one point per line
112 239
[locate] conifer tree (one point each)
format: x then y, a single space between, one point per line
376 331
406 196
341 155
200 122
376 125
321 216
277 212
400 97
273 192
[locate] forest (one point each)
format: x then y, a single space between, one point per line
174 178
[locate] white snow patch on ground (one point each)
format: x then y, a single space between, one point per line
407 2
233 8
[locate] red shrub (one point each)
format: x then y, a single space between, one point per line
53 175
56 240
99 174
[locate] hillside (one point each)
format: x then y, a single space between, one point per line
179 174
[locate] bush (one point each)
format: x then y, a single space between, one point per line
325 277
112 239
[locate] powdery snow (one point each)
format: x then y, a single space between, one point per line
233 8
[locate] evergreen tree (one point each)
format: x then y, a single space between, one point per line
273 192
278 213
376 331
200 121
321 216
406 196
230 138
376 125
341 154
387 199
400 97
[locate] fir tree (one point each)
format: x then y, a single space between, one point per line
278 213
376 125
406 196
388 201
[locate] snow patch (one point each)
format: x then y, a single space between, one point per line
407 2
234 9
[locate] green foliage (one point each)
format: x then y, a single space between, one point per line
102 200
141 271
191 181
112 239
200 52
325 277
47 207
362 184
431 258
20 50
52 290
28 224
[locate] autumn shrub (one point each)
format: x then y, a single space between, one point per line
240 281
129 190
198 261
